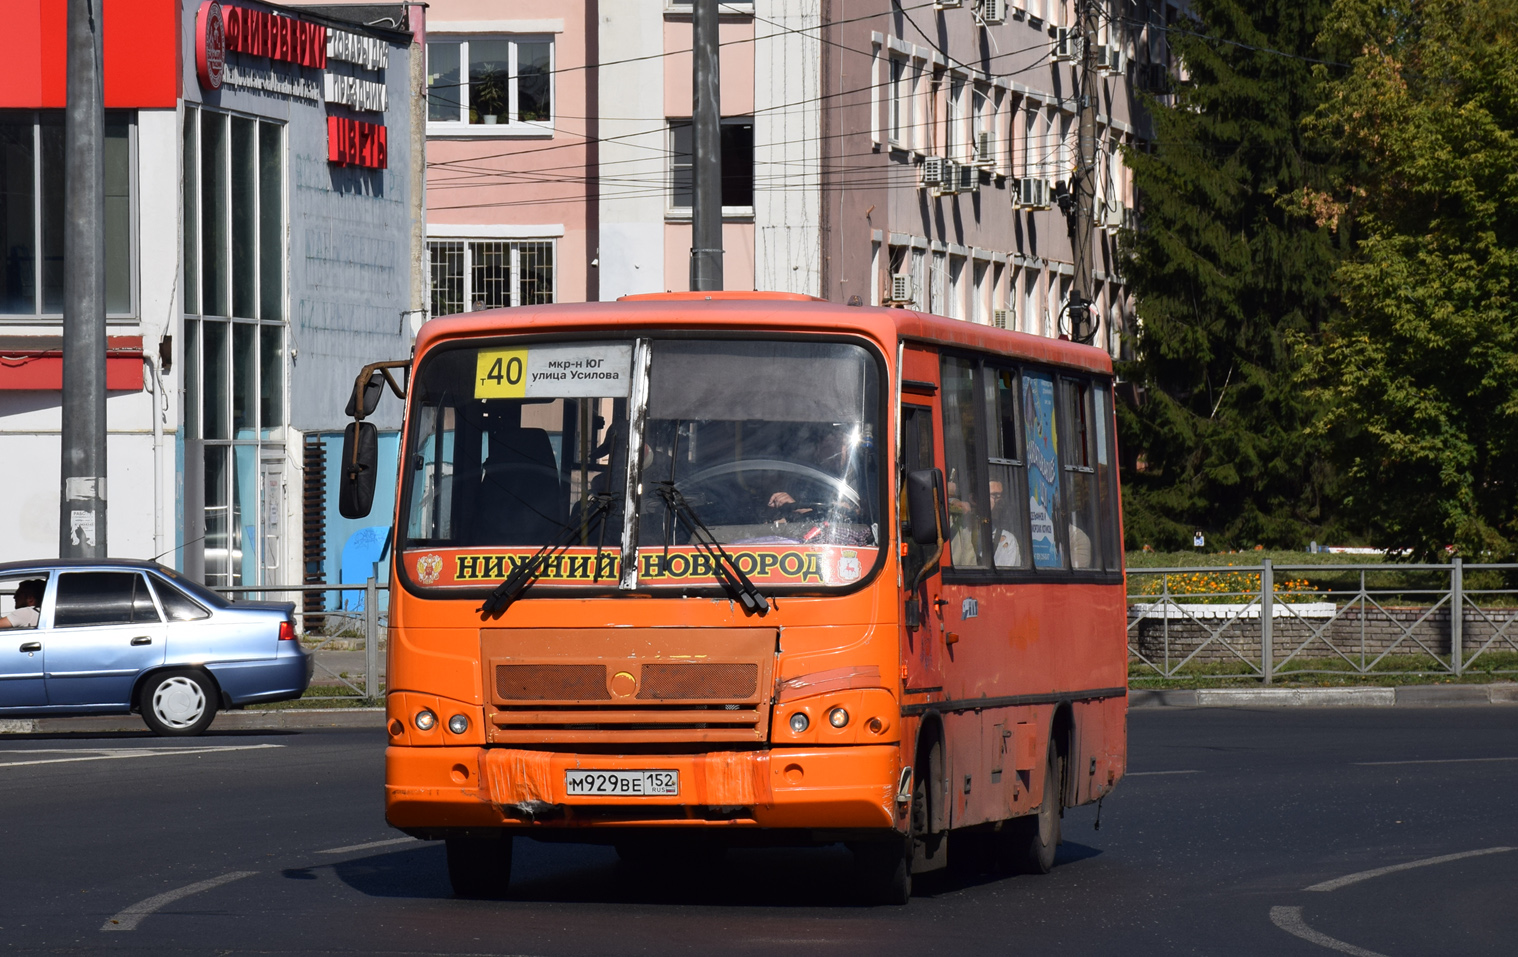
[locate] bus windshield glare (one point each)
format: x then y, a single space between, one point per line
770 443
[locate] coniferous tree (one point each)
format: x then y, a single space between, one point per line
1229 272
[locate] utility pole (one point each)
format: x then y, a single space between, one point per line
81 525
1082 326
706 145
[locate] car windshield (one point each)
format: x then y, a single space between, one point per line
769 444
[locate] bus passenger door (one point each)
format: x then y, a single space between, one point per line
921 649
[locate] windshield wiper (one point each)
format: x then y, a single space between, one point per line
724 568
531 570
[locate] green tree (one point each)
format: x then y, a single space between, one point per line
1228 273
1420 372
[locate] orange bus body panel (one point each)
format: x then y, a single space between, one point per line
1037 653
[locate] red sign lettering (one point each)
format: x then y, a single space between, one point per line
356 143
274 35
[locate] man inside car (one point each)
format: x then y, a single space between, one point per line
28 605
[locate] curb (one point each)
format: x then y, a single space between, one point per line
283 719
1417 696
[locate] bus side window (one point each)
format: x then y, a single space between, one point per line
964 453
1106 469
1045 498
1008 478
1077 458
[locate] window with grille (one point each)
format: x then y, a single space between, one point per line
466 275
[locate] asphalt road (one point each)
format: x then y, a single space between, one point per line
254 843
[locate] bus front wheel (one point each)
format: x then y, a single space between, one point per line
885 870
479 867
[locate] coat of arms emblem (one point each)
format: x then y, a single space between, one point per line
428 568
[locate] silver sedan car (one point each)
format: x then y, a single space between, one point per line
116 637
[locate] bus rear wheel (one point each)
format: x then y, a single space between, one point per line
479 867
1028 844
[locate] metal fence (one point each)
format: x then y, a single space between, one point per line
1271 621
341 628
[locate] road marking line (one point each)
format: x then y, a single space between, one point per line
1355 878
365 847
108 754
1377 764
1139 774
132 916
1289 919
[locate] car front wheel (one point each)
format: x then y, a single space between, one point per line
178 703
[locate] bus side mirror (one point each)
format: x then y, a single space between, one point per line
371 395
360 459
923 495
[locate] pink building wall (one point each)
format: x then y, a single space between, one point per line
488 180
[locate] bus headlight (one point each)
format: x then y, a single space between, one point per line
799 722
425 720
838 717
458 724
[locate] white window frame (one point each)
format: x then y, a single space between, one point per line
511 128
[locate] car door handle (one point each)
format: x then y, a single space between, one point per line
144 640
32 646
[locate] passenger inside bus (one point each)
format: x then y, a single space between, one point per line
1005 534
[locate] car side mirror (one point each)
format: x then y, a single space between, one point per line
924 493
360 459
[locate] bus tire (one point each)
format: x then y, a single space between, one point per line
479 867
885 870
1029 843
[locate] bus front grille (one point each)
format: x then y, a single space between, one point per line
698 682
628 685
545 682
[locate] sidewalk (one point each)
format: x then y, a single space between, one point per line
1418 696
284 719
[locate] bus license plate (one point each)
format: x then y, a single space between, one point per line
622 783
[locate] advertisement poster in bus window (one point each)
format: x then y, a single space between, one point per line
1043 468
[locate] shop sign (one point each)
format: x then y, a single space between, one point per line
210 45
355 92
370 53
355 143
276 36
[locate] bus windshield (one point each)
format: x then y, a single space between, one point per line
769 444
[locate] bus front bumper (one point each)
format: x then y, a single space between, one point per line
471 787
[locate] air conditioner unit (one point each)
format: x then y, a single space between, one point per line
901 288
1116 213
1066 44
1001 318
950 184
1033 193
933 171
966 178
992 11
1104 57
985 144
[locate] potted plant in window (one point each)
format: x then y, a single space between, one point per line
490 96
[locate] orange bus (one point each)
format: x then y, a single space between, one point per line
685 571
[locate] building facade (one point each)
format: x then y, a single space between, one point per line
263 231
912 154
